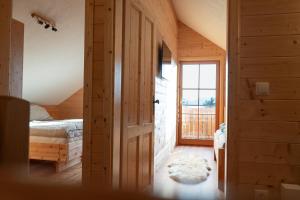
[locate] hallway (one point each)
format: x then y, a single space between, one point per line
165 187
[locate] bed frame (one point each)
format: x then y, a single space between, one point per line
64 155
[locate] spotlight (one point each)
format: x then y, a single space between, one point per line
54 29
40 22
47 26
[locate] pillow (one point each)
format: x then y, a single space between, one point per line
39 113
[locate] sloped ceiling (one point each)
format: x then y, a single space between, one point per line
207 17
53 61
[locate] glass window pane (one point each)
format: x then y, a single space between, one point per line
207 113
208 76
190 75
207 101
190 98
191 110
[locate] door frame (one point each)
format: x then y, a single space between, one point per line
192 141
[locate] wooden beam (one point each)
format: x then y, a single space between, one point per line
231 161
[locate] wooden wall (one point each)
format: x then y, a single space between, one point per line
17 54
102 92
71 108
194 47
11 52
264 130
165 19
5 38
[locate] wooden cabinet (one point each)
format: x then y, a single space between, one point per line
16 63
14 133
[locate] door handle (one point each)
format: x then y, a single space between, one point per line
156 101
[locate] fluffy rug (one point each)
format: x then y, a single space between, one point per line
189 170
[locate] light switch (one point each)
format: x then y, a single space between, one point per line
262 88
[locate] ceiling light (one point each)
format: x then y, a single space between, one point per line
46 22
54 29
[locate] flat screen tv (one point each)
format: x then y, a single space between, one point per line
165 60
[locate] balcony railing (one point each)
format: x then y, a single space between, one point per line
198 126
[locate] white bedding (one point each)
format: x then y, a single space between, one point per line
53 140
219 139
57 128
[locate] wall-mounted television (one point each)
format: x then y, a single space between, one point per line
165 60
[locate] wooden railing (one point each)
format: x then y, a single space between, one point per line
198 126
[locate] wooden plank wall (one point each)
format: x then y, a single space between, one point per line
266 127
101 144
17 51
165 19
11 52
71 108
5 38
194 47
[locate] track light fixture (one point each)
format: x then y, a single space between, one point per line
54 29
40 22
44 21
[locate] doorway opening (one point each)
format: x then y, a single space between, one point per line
51 37
200 140
194 167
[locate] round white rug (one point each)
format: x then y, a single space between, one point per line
189 170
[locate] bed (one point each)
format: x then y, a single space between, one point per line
219 154
59 141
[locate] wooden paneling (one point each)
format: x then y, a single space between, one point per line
14 128
280 88
98 93
269 131
148 69
265 46
11 52
258 25
102 92
268 174
270 110
233 71
5 39
16 62
263 7
273 153
268 67
263 130
71 108
192 44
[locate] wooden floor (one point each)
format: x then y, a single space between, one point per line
45 171
165 187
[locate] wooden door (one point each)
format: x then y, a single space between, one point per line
137 98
